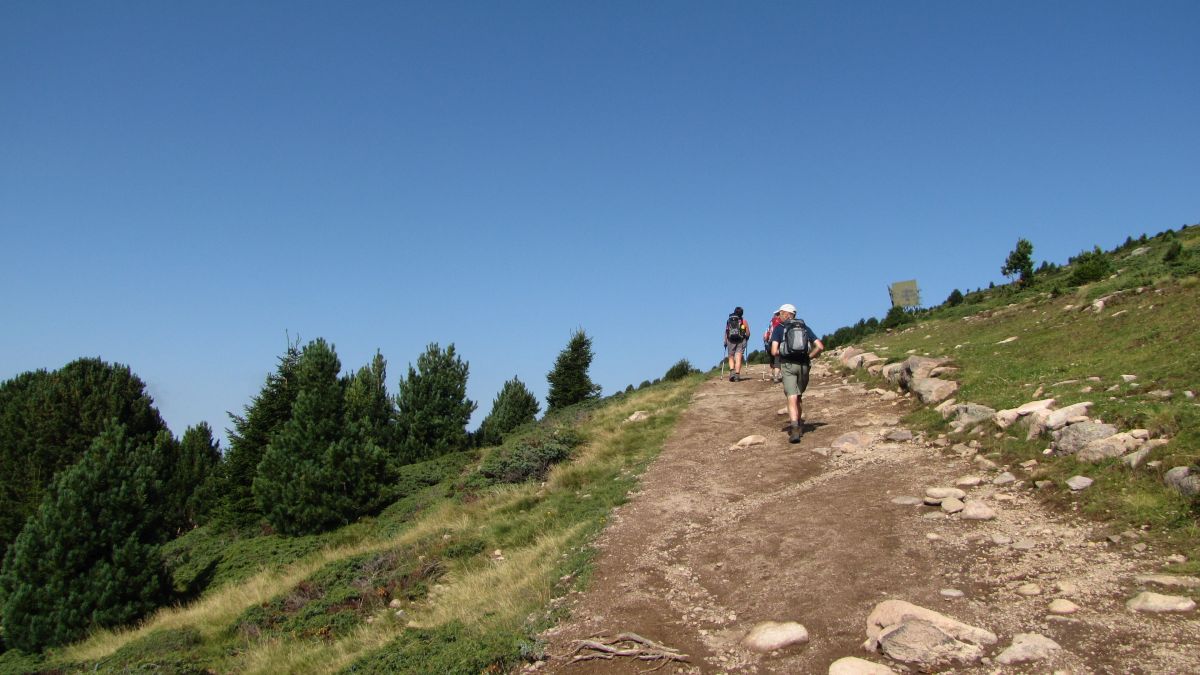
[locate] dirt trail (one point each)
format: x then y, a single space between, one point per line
720 539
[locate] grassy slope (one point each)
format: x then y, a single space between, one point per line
321 604
1151 330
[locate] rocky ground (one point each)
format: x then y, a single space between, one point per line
724 537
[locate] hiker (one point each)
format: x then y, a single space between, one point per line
796 346
772 360
736 332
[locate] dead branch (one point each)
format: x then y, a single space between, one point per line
628 645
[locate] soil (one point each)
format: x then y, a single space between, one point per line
719 539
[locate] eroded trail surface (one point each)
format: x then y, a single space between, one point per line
720 539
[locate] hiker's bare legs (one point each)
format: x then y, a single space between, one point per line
795 410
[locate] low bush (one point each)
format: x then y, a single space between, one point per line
527 458
680 370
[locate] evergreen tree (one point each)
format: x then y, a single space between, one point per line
196 474
514 405
368 404
89 556
569 381
432 406
318 472
955 298
1020 261
48 420
264 416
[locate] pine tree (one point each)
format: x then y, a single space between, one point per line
432 406
264 416
514 405
1020 261
318 472
196 474
368 404
569 381
48 420
89 556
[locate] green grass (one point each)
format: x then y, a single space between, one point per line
329 603
1151 330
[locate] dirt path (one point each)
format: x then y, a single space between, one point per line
720 539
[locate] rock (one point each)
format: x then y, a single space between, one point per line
852 665
1105 448
1147 601
1134 459
1029 590
1078 483
1182 480
1005 418
1004 479
1129 378
782 411
974 509
940 493
753 439
1140 548
951 505
892 612
951 593
1176 559
985 463
907 501
968 481
891 372
851 442
943 370
1161 394
918 367
1062 606
1024 545
1076 437
928 646
1058 419
1001 539
638 416
933 390
966 414
945 408
1028 647
771 635
396 603
1043 484
847 356
1005 340
899 435
1169 580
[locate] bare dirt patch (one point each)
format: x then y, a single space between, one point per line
721 539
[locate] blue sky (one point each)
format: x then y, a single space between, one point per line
184 184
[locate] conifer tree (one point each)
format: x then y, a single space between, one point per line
196 473
264 416
569 381
514 405
368 404
432 406
318 472
89 556
48 420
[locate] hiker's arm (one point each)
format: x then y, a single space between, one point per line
818 347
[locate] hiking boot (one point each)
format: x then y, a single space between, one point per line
733 377
796 435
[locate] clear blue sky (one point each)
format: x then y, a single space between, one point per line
181 184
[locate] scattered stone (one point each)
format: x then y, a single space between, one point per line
1007 340
926 645
1004 479
1043 484
1162 394
1029 589
952 505
1001 539
945 408
396 603
899 435
1029 464
933 536
932 389
1129 378
852 665
1076 437
934 515
1063 606
1078 483
1028 647
1189 395
1168 580
1066 587
974 509
1147 601
1134 459
771 635
951 593
781 411
892 612
968 481
1024 544
638 416
851 442
753 439
1182 480
1140 548
1176 559
940 493
985 463
907 501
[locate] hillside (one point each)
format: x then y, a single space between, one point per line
486 562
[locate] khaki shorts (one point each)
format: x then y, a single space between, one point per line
733 348
795 378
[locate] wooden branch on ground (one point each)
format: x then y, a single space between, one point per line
629 645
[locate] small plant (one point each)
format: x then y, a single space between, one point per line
680 370
1173 252
1090 266
528 458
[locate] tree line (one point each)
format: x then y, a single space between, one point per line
97 483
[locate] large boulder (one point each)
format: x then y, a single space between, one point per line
891 372
1105 448
925 645
1063 416
1070 440
917 367
852 665
771 635
965 415
1183 480
892 612
847 356
1028 647
931 389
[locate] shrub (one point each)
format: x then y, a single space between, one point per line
955 298
528 458
680 370
1090 266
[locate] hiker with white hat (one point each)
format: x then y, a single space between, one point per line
796 345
